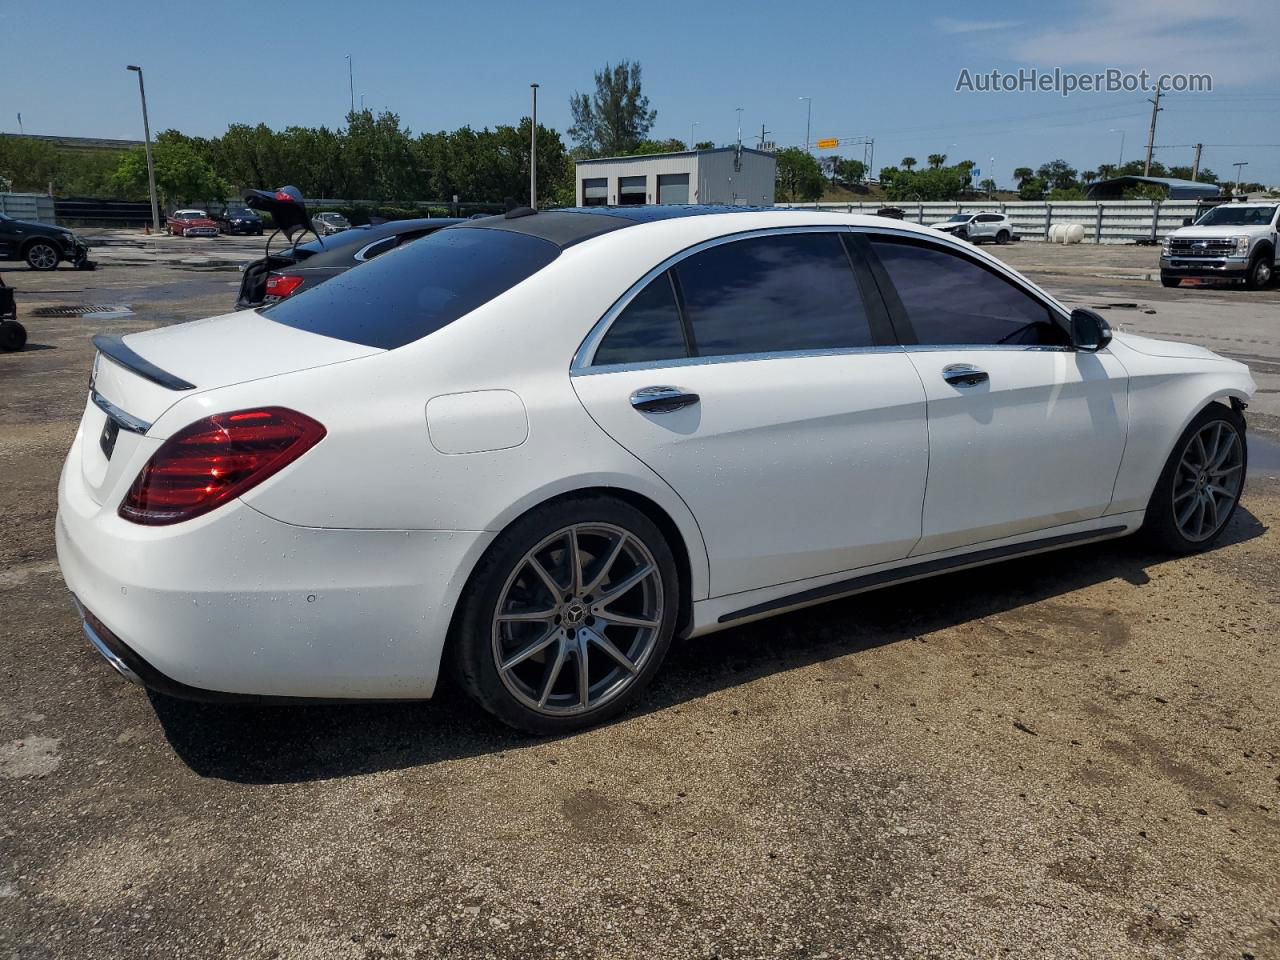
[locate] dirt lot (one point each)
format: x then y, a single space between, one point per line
1076 755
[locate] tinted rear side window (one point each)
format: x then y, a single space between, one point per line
774 293
418 288
648 329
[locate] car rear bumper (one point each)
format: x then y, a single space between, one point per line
236 605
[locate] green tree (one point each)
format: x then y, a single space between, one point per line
29 165
616 118
850 171
936 183
888 173
988 185
704 145
672 145
908 163
936 160
1023 174
182 176
1033 188
1088 176
1058 174
799 177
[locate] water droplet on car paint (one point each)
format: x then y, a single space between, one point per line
311 598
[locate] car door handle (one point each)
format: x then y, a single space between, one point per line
964 375
662 399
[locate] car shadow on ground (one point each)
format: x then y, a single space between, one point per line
263 745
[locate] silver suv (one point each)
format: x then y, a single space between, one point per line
977 227
1233 241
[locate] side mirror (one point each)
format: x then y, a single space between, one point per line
1187 221
1089 332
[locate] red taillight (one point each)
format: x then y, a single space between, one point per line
279 286
204 465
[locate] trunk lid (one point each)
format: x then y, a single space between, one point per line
138 377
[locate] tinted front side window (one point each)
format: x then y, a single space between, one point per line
951 300
416 289
774 293
647 329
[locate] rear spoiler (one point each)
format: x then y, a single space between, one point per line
116 349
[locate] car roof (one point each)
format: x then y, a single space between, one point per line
572 225
188 210
359 236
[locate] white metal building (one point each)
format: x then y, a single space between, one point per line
722 175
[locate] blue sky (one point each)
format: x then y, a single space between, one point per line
886 70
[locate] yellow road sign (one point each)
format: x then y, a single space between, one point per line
829 143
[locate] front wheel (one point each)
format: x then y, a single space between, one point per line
42 256
1168 281
1002 237
568 616
1260 272
1200 487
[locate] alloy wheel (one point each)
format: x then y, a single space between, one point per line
42 257
578 619
1208 480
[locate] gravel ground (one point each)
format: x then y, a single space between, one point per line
1076 755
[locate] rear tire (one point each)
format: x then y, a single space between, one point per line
1200 486
1166 281
13 336
516 647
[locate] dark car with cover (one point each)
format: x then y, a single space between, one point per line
281 275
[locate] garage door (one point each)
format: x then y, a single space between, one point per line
631 190
673 188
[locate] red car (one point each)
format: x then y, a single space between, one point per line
191 223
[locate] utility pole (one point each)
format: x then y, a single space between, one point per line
763 133
739 109
808 120
351 84
693 134
533 152
151 166
1151 136
1195 171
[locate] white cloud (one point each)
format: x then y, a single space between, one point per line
952 25
1235 44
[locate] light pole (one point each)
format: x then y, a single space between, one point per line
533 152
739 110
808 118
1240 165
693 134
351 84
1121 162
151 166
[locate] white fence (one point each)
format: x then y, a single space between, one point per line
27 206
1104 221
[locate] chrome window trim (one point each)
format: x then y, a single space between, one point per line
730 358
966 252
361 255
985 347
127 421
586 351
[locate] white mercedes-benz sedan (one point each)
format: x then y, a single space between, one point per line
535 448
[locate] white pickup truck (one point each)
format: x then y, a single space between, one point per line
1233 241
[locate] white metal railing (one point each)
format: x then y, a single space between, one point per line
1104 221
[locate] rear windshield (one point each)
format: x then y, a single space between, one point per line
418 288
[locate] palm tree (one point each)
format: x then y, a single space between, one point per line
909 162
1023 174
989 186
1105 170
1089 176
936 160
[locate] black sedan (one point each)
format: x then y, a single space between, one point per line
240 220
285 274
41 245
